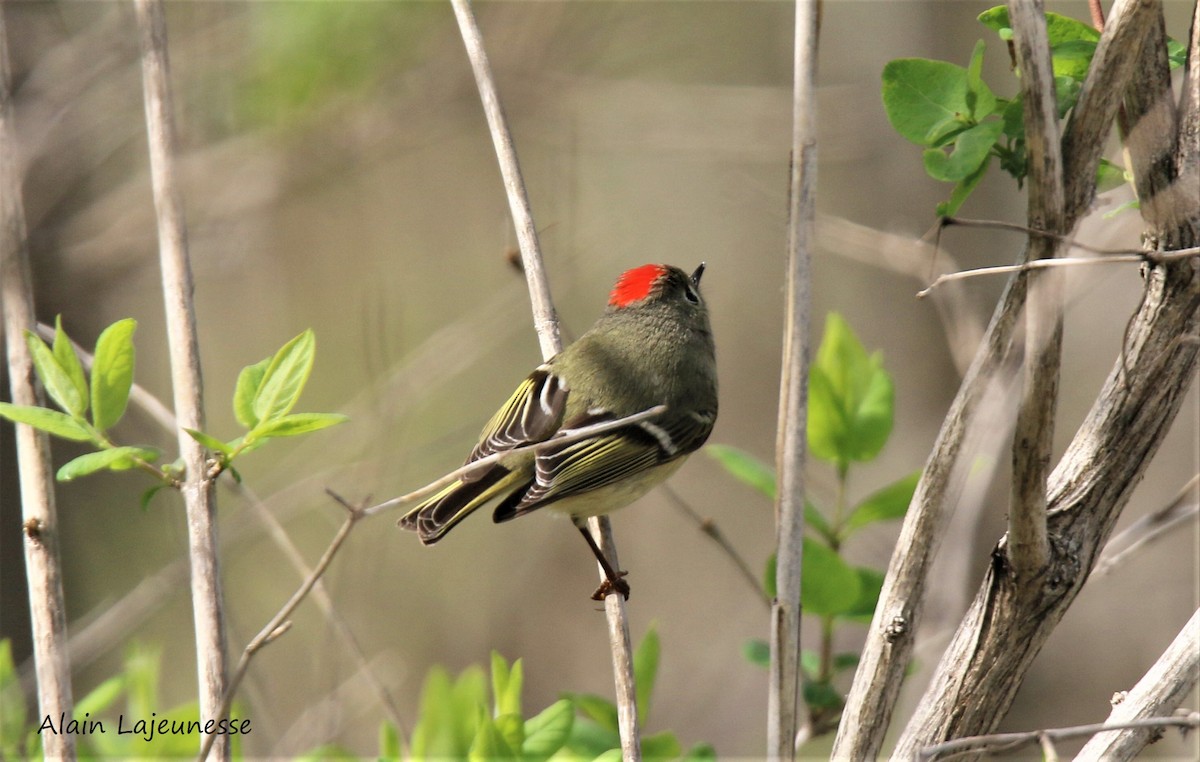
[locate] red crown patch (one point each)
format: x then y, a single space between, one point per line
635 285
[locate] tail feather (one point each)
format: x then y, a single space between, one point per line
439 514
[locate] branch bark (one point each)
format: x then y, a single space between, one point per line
783 692
1160 691
1028 547
545 321
198 488
891 636
43 568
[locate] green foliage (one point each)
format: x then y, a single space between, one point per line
963 125
121 737
456 720
850 415
265 395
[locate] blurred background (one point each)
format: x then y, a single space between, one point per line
338 175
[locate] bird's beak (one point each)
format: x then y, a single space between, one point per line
696 275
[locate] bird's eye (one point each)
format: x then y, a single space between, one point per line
691 295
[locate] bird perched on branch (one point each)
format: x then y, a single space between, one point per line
652 346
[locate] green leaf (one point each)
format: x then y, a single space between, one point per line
887 504
113 459
489 744
64 353
1176 53
815 520
770 577
295 424
1109 176
47 420
810 663
661 746
645 671
920 94
512 731
285 377
389 741
506 685
845 661
1059 28
821 696
599 710
744 467
112 373
548 731
828 585
971 149
100 698
961 192
975 83
54 377
148 495
850 398
248 383
701 752
870 585
757 652
1066 91
1071 58
209 442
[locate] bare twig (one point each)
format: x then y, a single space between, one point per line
784 700
709 527
1160 691
279 624
1147 529
545 321
999 742
40 521
1028 545
1036 264
198 489
1153 257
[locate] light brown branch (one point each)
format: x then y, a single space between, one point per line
43 571
279 624
1028 546
890 639
1147 529
198 489
1005 742
545 321
784 699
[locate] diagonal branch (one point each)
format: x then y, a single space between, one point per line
890 639
43 570
198 489
545 321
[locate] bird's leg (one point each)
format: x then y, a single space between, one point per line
613 582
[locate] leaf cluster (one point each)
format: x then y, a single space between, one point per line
851 409
961 122
90 407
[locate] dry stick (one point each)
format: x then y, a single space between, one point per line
709 527
198 489
784 700
43 571
890 639
1160 691
1147 529
546 323
1028 544
279 623
1004 742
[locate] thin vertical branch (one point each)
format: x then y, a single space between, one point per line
198 488
783 693
546 323
1028 545
42 568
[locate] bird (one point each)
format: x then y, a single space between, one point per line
652 346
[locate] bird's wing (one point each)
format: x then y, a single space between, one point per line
607 458
532 414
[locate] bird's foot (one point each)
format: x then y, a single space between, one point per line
612 585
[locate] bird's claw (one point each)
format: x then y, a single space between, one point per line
610 585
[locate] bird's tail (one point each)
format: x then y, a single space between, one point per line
440 513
